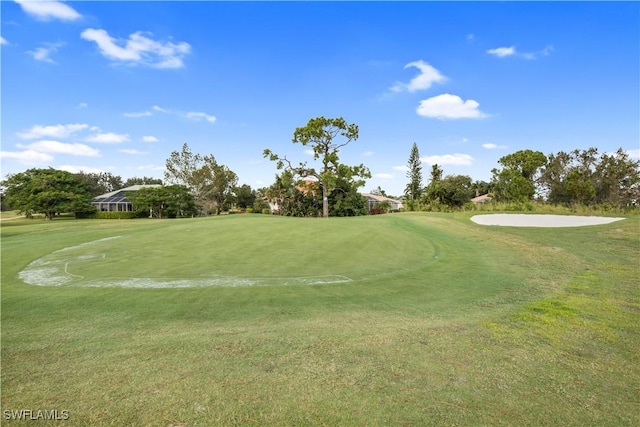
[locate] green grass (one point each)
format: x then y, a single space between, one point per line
445 322
9 214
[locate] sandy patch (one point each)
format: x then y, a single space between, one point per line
536 220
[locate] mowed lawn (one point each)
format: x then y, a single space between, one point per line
436 321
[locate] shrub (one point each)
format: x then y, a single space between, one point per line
377 210
248 210
119 215
266 211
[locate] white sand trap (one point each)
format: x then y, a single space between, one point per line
535 220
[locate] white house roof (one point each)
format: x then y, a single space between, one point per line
377 198
133 188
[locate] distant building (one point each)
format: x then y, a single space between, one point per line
116 201
485 198
374 199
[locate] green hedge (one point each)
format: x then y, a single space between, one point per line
118 215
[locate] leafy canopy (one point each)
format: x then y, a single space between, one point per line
47 191
326 136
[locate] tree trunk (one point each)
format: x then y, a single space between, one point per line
325 200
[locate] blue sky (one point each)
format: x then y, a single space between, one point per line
118 86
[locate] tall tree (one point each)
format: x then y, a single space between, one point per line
191 170
553 177
47 191
379 192
345 200
172 200
526 162
517 180
100 182
618 179
430 192
220 186
321 134
209 182
585 177
436 173
244 196
455 190
145 180
413 191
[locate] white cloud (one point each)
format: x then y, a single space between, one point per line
196 116
634 153
27 156
193 115
309 152
547 51
108 138
131 151
492 146
151 168
501 52
368 153
150 138
401 168
74 149
470 37
140 114
447 106
53 131
78 169
47 10
44 53
83 105
3 41
139 49
384 175
448 159
428 75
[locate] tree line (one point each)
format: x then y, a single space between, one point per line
196 184
580 177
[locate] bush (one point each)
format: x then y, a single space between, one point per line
266 211
248 210
377 210
119 215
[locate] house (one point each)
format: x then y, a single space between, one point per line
485 198
374 199
305 186
116 201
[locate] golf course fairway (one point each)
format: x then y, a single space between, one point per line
398 319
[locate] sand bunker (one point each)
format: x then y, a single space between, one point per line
534 220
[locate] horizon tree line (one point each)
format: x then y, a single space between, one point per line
195 184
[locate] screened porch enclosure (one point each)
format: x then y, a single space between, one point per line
116 201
